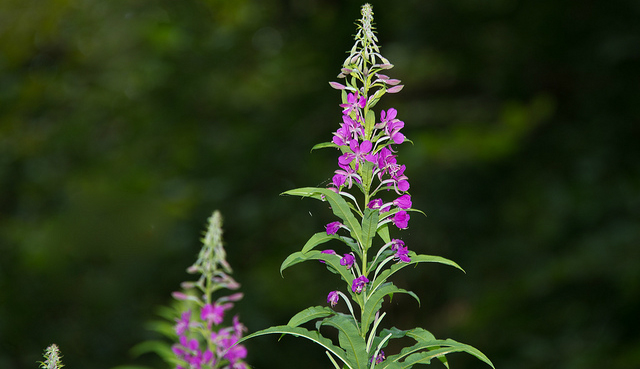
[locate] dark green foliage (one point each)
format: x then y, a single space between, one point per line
122 124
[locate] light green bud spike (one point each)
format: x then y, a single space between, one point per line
52 358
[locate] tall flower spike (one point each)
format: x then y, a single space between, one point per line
202 341
367 164
53 359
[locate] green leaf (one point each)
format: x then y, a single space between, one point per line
323 145
160 348
352 244
350 339
415 258
331 261
318 239
395 334
369 226
369 122
374 302
339 206
435 348
384 233
304 333
376 97
308 314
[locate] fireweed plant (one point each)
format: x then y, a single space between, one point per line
203 341
53 359
369 195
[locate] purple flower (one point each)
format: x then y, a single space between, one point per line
354 126
330 252
359 152
354 102
402 183
345 176
359 283
401 219
333 227
235 353
375 204
388 116
189 351
379 358
348 260
238 327
402 254
342 136
214 313
392 126
403 202
396 171
183 323
395 244
393 131
333 298
385 159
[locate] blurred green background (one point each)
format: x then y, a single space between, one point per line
124 124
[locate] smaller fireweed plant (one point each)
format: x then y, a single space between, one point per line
202 340
53 358
369 194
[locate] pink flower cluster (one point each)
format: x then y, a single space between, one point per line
225 352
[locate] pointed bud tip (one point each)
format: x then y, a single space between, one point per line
395 89
337 85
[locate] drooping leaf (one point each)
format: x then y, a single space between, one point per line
323 145
349 339
308 314
395 334
318 239
427 348
339 206
415 258
374 302
304 333
331 261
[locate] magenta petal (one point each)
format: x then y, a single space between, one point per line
365 146
353 145
403 185
403 202
346 158
398 138
391 113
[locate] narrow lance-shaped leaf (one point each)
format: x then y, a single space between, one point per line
304 333
426 349
369 122
414 260
369 225
324 145
332 262
318 239
308 314
350 339
374 302
339 206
